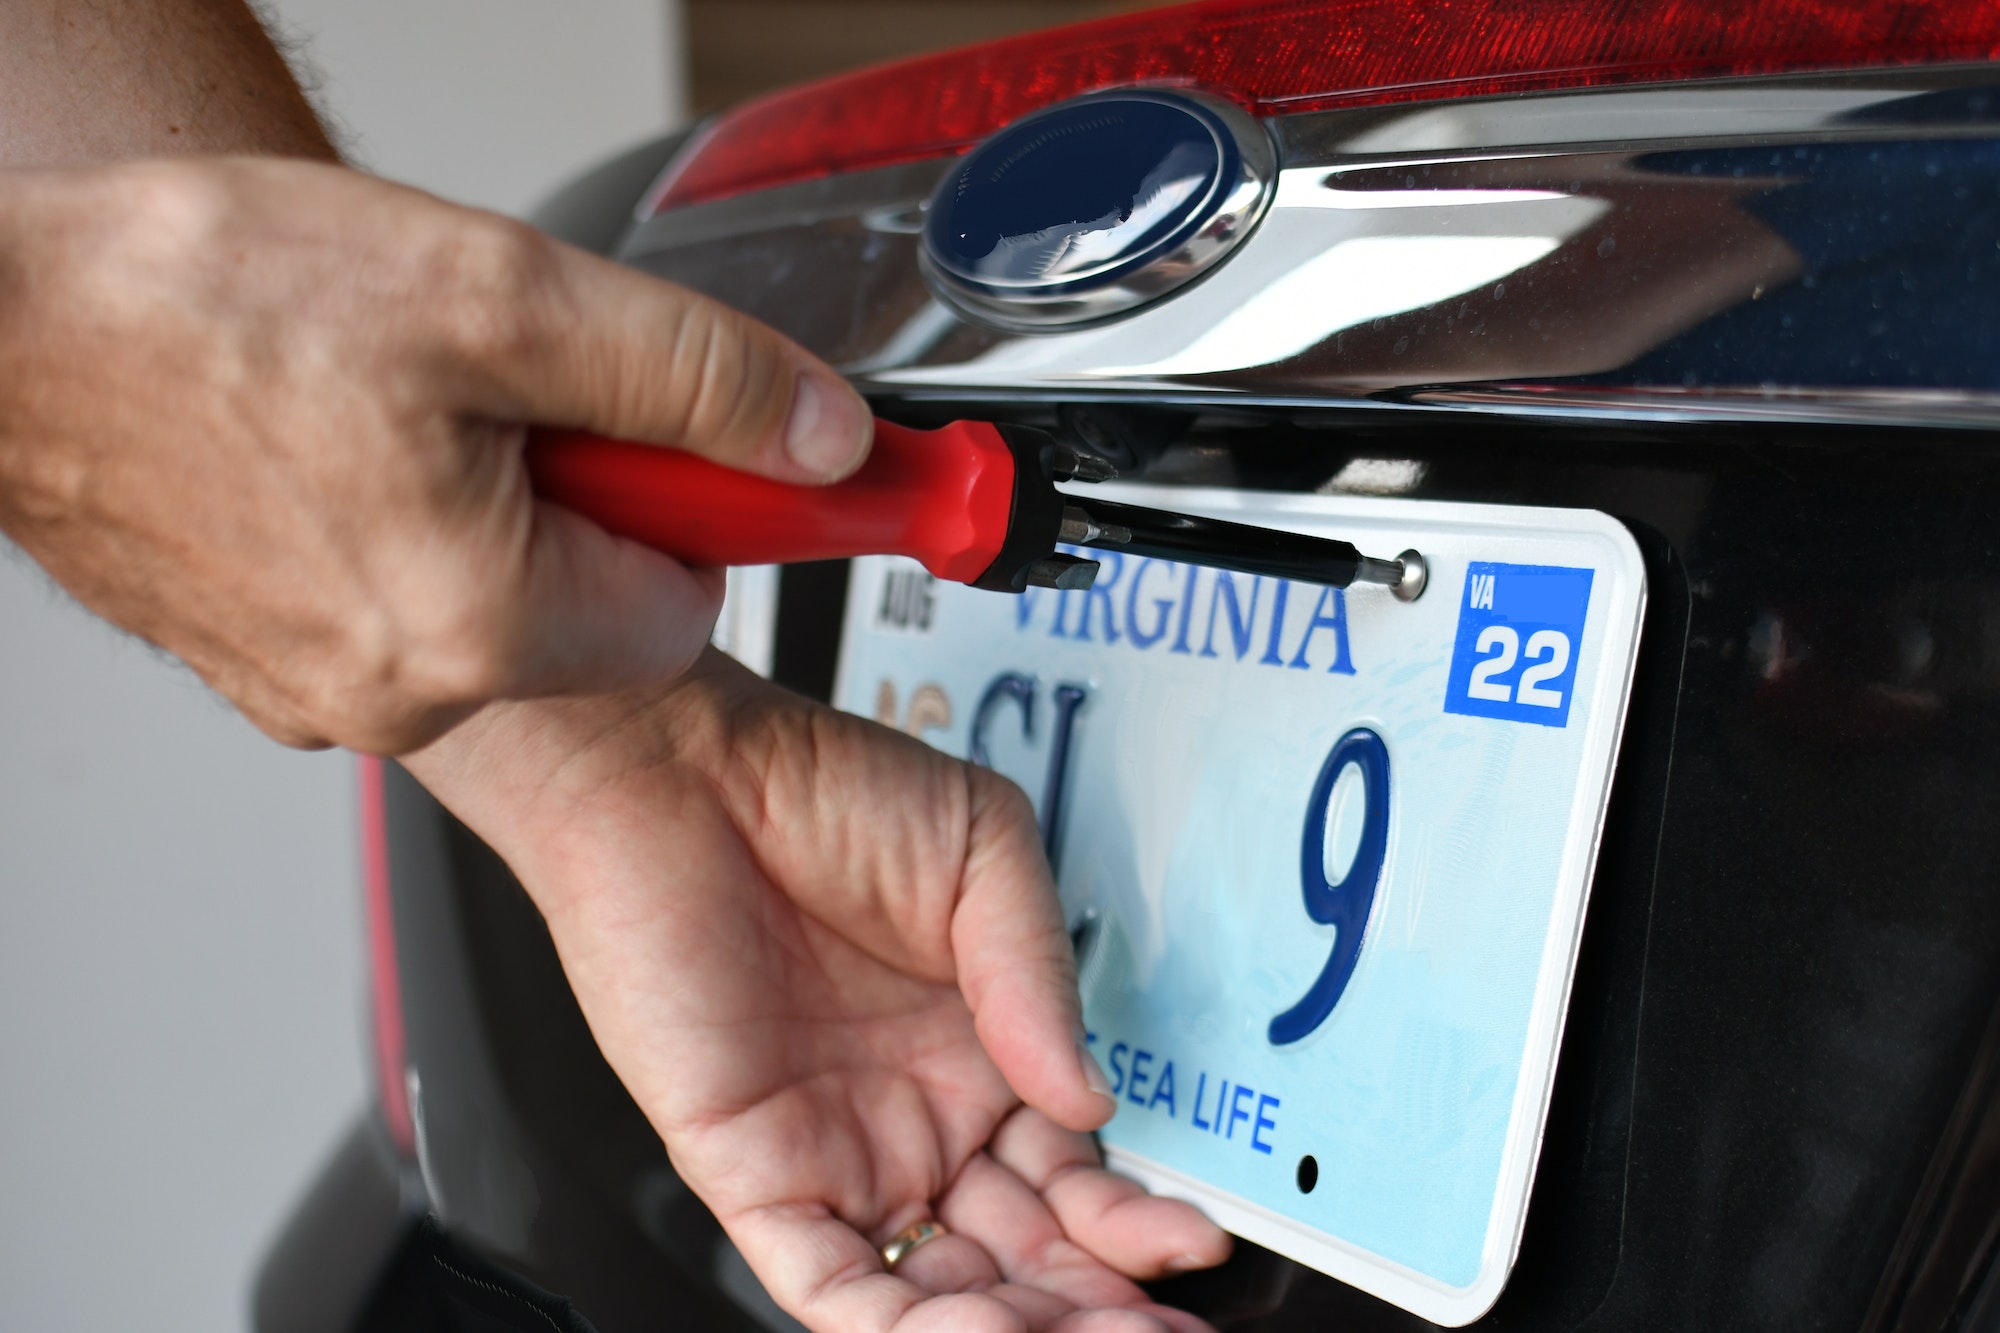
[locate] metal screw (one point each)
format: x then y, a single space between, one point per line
1406 575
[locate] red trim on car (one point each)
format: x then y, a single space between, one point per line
391 1055
1279 57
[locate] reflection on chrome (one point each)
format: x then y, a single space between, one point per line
1300 189
1326 260
1369 277
1377 476
1970 408
1775 107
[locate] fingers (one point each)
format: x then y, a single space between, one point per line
944 1264
830 1278
1109 1216
1051 1280
1015 965
601 613
578 611
615 351
1015 1226
1131 1319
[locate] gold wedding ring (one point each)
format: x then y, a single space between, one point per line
906 1241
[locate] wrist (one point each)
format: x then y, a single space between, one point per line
518 771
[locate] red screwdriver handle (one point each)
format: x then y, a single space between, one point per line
942 497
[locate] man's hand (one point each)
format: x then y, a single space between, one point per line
830 965
269 416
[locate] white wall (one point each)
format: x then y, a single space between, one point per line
492 101
181 1003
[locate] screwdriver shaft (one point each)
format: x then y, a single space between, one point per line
1240 547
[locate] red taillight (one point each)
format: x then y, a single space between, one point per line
391 1058
1283 56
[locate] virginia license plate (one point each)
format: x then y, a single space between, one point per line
1325 854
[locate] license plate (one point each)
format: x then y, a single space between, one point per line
1325 854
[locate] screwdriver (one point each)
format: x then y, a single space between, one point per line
974 502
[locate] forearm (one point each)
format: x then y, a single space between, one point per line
86 81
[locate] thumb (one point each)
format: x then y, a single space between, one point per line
612 350
1015 966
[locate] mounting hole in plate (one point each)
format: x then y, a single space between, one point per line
1308 1174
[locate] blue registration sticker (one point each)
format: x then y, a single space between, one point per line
1519 631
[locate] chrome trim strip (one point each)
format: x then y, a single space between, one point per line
1750 249
888 199
1861 104
1901 407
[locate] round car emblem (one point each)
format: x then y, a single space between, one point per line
1096 207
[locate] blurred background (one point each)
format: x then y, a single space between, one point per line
181 979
